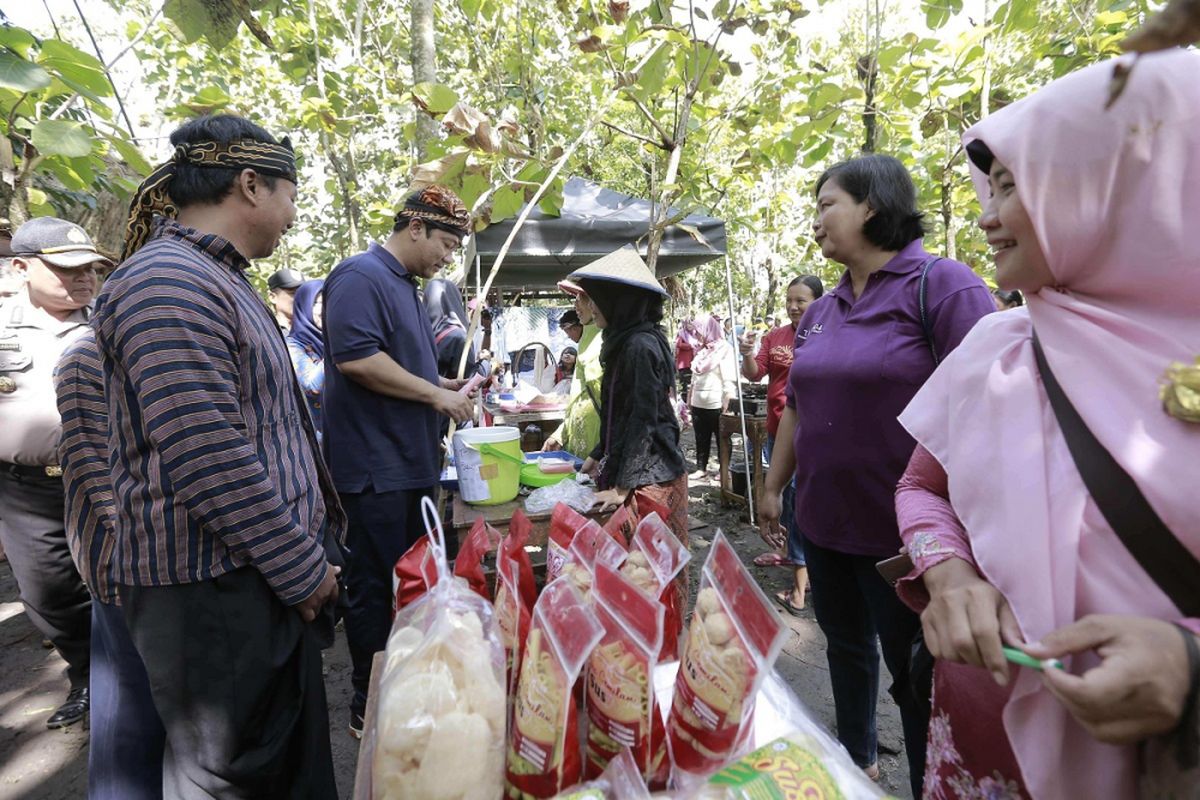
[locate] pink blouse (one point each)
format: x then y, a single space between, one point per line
932 532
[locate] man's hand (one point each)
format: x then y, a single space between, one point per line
457 407
327 592
746 343
1140 685
453 384
967 620
770 507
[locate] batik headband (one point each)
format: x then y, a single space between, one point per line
437 205
153 197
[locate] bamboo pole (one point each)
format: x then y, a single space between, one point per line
742 406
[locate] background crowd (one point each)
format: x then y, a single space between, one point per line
194 487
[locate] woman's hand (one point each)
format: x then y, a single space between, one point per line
967 618
552 443
590 467
770 507
610 499
1139 687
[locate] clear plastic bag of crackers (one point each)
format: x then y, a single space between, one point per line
439 729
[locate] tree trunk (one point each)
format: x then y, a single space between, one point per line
424 64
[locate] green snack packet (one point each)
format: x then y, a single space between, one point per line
780 770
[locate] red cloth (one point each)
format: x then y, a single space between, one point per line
684 353
774 359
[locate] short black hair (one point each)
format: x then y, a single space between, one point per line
812 282
886 186
1013 298
194 185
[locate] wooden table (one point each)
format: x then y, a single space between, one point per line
547 419
465 514
756 436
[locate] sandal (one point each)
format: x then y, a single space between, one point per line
784 599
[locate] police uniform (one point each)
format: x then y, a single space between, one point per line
32 502
31 488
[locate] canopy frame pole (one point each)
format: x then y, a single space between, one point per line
742 405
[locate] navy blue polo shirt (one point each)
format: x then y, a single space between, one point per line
372 440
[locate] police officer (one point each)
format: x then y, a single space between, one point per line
59 263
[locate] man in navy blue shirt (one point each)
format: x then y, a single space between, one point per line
381 408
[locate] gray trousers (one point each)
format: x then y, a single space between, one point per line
35 540
236 678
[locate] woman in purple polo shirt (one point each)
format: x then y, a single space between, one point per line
862 352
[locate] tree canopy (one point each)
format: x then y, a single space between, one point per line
729 107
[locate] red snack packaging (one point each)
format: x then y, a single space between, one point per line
513 546
621 524
733 639
621 708
543 750
592 545
564 523
415 574
512 618
656 557
469 562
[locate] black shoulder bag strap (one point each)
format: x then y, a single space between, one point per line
1164 558
922 296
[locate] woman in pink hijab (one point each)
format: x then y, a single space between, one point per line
1092 213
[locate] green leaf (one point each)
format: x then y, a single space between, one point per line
552 201
16 39
24 76
506 202
654 74
472 187
132 156
827 94
74 66
938 12
216 20
471 9
434 98
61 137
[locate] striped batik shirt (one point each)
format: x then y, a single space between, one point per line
83 455
212 452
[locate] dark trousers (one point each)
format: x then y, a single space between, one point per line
853 604
685 380
236 679
382 526
706 422
35 539
125 748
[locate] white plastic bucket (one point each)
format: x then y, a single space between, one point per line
486 479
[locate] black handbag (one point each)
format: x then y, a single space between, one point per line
1170 764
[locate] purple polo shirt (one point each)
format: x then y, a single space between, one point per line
857 364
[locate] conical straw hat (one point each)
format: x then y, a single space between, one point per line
620 266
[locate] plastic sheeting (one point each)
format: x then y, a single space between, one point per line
594 221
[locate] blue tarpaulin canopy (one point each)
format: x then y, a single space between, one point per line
594 221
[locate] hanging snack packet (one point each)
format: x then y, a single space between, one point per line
543 748
621 524
469 562
656 557
439 731
564 523
415 574
592 545
621 708
513 546
732 642
512 618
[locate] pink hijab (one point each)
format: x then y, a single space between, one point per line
709 352
1115 199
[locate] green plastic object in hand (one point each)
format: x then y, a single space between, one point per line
1017 657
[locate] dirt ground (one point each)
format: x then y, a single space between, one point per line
40 764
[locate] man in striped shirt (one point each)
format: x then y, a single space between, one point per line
222 504
126 737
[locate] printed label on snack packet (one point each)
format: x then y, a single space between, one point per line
779 771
